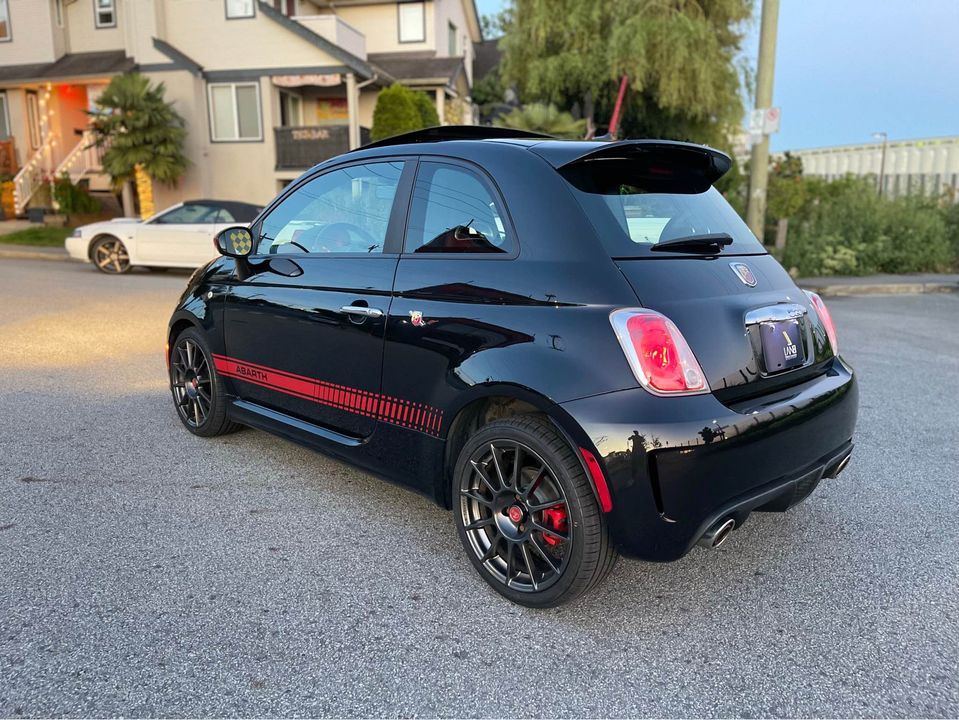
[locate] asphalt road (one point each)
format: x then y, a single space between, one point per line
147 572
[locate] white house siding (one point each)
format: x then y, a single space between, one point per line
82 33
32 42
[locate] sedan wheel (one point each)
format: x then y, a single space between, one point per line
527 515
110 256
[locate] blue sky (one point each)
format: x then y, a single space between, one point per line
848 68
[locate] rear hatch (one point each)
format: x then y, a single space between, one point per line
687 254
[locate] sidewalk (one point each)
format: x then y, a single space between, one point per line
910 284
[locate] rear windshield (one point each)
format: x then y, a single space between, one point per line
634 211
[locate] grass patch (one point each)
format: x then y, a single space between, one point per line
37 236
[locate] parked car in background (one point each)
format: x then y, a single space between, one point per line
180 236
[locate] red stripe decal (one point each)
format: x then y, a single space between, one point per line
361 402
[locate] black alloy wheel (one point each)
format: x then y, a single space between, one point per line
526 513
197 389
110 256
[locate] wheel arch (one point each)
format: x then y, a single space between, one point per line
180 321
101 236
489 402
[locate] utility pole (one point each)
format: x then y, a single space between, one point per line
759 158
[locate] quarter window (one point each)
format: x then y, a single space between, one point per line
239 9
412 21
235 112
342 211
454 211
6 33
105 13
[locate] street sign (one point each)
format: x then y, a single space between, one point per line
764 121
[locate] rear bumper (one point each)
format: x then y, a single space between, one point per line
677 465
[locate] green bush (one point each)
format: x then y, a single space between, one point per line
396 112
844 228
426 109
73 199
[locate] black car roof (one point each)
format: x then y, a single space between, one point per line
241 211
710 164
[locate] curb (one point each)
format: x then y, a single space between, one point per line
28 253
881 289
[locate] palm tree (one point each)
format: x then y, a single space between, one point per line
143 136
537 117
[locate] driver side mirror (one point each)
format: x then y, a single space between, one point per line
234 242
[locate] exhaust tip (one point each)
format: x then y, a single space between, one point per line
717 534
842 465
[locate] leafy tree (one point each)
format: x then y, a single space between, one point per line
426 109
538 117
142 133
786 187
679 56
396 112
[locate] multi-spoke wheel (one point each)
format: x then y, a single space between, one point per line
110 255
526 513
196 387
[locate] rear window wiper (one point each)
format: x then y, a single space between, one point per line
708 243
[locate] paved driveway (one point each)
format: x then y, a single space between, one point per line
147 572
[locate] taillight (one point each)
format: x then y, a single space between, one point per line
657 352
826 319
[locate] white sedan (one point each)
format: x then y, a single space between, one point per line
180 236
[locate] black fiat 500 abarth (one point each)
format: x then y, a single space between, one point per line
578 347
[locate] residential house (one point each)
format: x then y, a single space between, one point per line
267 88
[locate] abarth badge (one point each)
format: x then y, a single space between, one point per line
416 318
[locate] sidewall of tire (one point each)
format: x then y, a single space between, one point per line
560 592
217 421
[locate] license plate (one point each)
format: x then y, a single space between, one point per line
782 345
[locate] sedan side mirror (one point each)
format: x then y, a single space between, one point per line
234 242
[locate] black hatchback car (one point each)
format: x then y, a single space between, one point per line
578 347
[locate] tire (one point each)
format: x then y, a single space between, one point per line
110 256
197 389
548 521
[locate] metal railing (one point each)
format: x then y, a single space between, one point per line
28 180
85 158
300 148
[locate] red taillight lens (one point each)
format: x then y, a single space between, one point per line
657 352
826 319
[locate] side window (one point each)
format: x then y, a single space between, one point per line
342 211
454 211
188 214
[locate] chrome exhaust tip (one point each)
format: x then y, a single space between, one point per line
841 466
717 534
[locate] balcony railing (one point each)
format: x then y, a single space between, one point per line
299 148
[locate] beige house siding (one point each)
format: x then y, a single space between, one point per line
30 22
380 23
82 33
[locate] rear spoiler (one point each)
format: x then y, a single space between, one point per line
697 165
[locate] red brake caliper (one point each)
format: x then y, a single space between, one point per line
555 519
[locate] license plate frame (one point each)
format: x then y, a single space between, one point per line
782 344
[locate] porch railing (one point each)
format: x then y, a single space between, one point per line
300 148
28 180
85 158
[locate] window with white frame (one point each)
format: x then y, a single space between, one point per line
4 117
105 13
6 32
235 112
239 9
291 109
412 21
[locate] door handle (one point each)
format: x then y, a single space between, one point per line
362 311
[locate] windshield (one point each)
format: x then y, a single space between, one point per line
633 213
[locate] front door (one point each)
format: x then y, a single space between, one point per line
181 236
304 331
